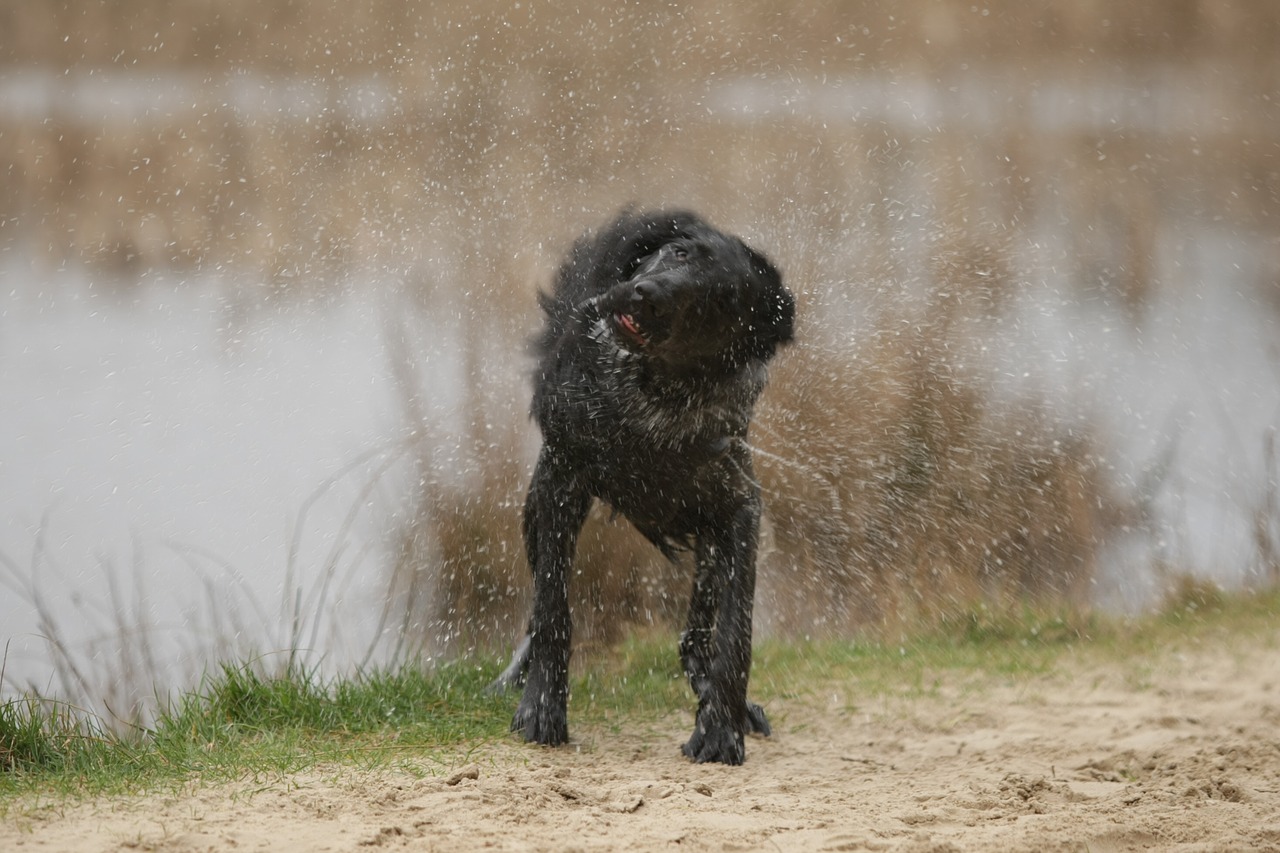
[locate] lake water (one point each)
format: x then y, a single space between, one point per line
160 448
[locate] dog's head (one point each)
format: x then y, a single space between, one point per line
691 296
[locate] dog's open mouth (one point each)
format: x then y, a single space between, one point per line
630 329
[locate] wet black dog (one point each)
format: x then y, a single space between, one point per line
654 352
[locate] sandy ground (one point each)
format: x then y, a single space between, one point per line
1177 753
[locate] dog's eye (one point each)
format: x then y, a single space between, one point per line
680 253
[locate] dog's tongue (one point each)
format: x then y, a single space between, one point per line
628 322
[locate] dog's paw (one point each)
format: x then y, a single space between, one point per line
541 722
758 722
718 744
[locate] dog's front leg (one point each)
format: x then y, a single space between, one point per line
718 662
553 514
696 641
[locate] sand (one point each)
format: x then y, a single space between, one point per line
1178 752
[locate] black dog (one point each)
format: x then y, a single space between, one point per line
653 355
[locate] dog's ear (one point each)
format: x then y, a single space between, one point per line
773 312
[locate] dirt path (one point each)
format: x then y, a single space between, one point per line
1180 753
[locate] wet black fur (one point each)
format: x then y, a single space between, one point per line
657 335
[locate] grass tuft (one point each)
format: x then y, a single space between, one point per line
46 739
241 718
1188 595
29 735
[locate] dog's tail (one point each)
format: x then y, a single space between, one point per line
513 676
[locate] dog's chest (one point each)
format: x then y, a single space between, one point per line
623 405
660 450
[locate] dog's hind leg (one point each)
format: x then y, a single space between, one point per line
553 515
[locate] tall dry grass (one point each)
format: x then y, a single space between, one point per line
900 488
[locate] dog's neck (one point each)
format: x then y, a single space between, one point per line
678 406
658 368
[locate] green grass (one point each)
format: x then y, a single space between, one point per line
240 723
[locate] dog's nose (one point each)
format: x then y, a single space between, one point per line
644 291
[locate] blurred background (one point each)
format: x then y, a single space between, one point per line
267 277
